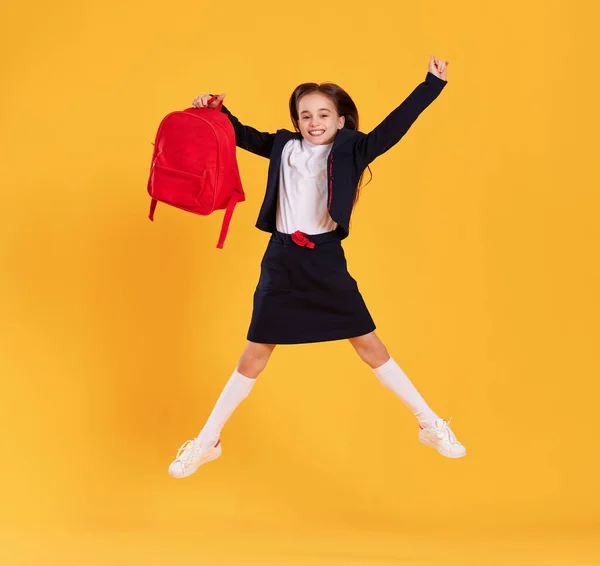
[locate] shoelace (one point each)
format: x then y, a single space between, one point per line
445 430
186 451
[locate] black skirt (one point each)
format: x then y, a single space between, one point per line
305 293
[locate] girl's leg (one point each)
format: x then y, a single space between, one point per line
207 446
433 431
371 350
252 362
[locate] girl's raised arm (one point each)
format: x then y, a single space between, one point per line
391 130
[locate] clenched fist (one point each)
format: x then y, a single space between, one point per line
438 68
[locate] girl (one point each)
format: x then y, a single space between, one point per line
305 293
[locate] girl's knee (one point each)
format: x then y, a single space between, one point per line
254 359
259 351
371 350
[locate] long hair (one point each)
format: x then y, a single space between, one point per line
344 105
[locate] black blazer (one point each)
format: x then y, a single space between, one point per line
350 154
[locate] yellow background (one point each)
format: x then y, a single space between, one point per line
475 246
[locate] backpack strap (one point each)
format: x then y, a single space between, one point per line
152 209
227 219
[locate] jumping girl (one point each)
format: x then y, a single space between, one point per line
305 293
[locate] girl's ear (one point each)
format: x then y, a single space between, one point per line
341 122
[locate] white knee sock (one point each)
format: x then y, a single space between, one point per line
396 380
235 391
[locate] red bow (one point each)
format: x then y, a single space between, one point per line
301 239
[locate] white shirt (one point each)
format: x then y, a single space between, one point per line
302 200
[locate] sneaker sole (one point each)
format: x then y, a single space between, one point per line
442 452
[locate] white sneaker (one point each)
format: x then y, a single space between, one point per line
191 456
440 436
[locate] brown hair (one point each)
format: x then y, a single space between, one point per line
343 103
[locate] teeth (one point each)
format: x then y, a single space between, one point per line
316 132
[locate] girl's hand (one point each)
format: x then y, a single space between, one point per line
438 68
202 101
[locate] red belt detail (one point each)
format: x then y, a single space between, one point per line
301 239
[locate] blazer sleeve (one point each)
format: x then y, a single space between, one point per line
250 139
389 132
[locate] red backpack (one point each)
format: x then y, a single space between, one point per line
194 165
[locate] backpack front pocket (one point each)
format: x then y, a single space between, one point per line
183 189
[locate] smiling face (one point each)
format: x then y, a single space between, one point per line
318 119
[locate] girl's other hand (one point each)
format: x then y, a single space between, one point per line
438 68
202 101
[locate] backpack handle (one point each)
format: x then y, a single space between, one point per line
212 99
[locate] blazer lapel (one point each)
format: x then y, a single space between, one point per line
342 136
